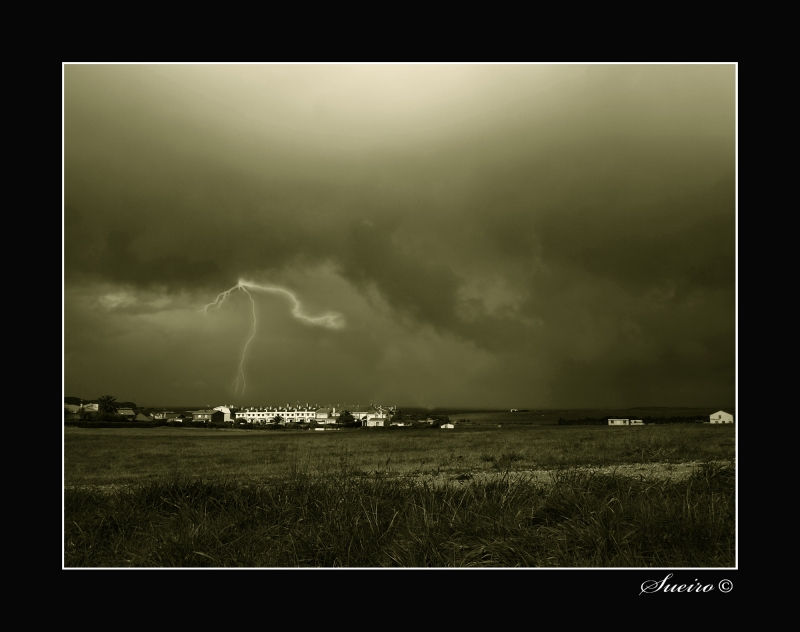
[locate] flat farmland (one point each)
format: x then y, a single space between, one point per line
585 496
124 456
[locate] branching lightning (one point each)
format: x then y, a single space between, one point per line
329 320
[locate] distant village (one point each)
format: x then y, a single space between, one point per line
372 416
307 417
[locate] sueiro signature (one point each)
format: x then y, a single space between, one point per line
655 585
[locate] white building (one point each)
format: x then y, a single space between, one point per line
325 415
447 426
227 410
265 415
721 417
376 413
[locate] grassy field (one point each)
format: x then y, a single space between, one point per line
190 498
578 520
123 456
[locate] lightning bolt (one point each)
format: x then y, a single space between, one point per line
329 320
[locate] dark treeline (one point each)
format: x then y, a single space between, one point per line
418 416
603 421
424 413
585 421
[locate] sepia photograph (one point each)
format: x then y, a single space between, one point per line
401 316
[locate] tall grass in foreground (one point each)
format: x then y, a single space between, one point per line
580 519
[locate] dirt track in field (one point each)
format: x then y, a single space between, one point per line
668 471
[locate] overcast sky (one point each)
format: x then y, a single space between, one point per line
490 236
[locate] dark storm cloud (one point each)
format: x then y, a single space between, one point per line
696 258
569 220
675 353
417 285
119 260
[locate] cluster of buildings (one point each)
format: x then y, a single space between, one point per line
370 416
78 411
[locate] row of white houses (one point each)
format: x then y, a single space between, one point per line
369 415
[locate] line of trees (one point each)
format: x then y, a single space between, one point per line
438 419
584 421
